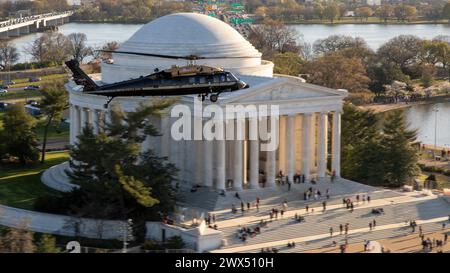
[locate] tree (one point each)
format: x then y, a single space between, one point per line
17 240
288 63
399 155
336 71
116 179
50 47
364 12
53 104
18 136
436 52
47 244
104 52
446 12
335 43
361 146
404 12
77 46
273 37
385 12
403 51
331 10
8 54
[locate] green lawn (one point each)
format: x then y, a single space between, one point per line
21 94
44 79
20 186
59 131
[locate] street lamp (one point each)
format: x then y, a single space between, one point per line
435 110
127 234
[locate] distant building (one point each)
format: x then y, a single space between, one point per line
373 2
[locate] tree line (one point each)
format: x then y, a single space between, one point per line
344 62
331 10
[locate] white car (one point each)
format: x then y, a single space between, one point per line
3 91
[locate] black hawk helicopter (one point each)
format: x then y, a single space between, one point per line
175 81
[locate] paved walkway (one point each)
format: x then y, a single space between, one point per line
428 210
246 248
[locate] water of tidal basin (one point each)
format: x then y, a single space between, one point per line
375 35
423 118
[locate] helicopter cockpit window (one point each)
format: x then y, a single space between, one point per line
202 80
216 78
222 78
191 79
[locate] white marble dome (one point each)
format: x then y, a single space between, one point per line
183 34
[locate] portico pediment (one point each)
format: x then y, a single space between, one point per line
286 90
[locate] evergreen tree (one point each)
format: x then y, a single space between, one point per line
361 146
17 136
47 244
116 179
399 156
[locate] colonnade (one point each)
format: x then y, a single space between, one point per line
241 163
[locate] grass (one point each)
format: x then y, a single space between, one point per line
21 186
55 132
21 94
44 79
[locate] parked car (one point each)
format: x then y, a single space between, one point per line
32 87
9 83
3 105
34 79
33 103
3 91
4 87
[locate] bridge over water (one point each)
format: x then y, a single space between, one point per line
25 25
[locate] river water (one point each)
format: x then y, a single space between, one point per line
420 116
375 35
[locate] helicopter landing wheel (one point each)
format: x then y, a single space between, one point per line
214 97
203 97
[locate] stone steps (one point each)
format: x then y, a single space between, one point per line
319 224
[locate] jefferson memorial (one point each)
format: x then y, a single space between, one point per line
308 114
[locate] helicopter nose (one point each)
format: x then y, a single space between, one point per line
243 85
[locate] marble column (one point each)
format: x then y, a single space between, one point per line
208 163
95 121
254 153
238 157
76 121
166 136
221 159
271 161
322 148
72 124
336 148
306 149
290 147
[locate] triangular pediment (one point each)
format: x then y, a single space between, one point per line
285 89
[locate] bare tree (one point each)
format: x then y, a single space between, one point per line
8 54
78 47
109 46
50 47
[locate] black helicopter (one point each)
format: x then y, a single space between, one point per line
175 81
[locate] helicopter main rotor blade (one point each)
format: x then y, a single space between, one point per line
189 57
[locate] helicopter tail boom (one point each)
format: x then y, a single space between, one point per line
80 77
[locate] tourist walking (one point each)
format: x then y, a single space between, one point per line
346 228
374 223
368 198
331 231
307 208
324 204
341 227
370 226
